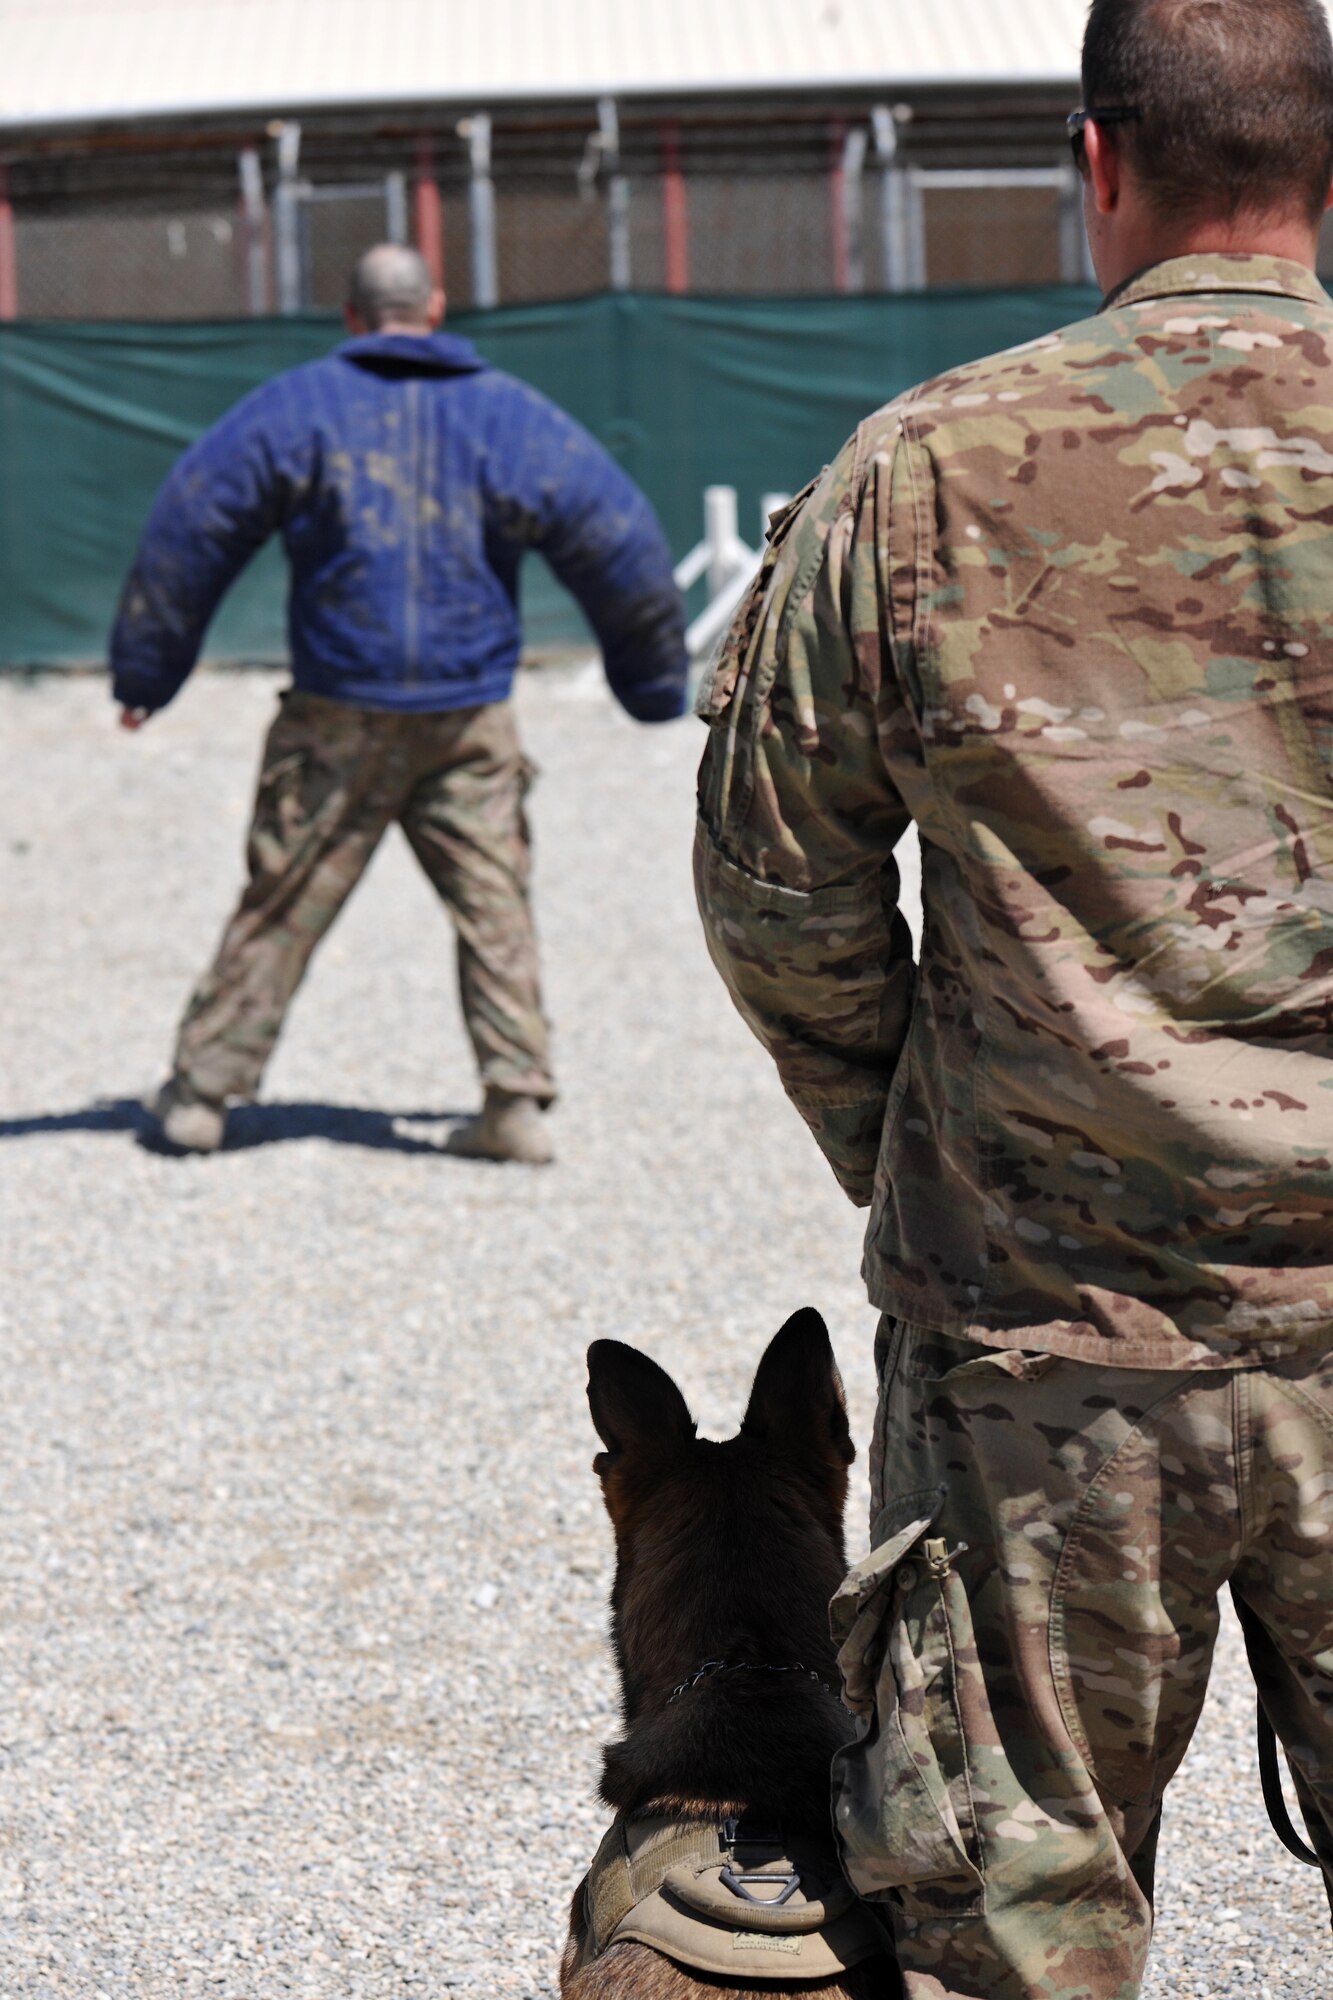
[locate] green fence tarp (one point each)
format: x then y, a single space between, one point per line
686 392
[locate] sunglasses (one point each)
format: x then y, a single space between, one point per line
1114 114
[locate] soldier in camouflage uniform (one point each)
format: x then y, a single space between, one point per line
406 478
1070 610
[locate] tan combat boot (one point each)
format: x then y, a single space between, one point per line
190 1123
509 1128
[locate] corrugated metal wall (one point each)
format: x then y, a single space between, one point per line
71 60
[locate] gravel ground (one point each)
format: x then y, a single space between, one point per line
302 1666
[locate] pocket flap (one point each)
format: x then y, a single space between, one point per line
856 1615
901 1523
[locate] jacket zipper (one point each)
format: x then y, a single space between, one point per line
412 497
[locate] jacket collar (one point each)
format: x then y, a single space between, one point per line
414 353
1229 271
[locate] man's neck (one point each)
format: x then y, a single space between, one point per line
1291 238
417 328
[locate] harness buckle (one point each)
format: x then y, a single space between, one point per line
740 1830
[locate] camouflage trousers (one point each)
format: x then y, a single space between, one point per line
1028 1644
331 780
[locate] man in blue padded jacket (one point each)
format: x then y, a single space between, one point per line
406 478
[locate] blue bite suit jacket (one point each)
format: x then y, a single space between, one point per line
406 478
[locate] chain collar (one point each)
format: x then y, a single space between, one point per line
710 1669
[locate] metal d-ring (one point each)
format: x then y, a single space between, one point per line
737 1885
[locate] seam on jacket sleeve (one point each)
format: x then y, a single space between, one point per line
796 881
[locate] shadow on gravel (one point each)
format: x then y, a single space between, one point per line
250 1125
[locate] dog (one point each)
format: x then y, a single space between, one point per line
726 1557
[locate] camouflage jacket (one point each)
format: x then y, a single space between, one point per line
1071 610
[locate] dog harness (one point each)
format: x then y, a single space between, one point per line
731 1896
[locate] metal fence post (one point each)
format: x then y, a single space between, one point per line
915 199
395 207
254 229
481 210
9 260
851 255
894 203
286 219
429 210
897 249
675 212
617 195
1073 266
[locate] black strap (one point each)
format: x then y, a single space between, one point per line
1270 1777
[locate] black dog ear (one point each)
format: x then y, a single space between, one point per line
635 1405
796 1405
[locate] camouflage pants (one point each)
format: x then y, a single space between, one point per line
1028 1644
332 779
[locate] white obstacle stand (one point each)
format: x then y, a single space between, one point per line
729 562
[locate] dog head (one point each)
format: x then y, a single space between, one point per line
724 1550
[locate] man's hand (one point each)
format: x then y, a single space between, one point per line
133 718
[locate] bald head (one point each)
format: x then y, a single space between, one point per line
392 287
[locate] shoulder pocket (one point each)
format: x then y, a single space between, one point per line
718 686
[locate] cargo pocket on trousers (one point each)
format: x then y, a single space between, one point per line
902 1795
280 815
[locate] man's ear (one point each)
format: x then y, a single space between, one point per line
1104 166
797 1406
635 1405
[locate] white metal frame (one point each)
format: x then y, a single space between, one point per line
293 198
906 188
730 564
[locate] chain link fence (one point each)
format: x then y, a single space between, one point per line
157 258
780 202
127 259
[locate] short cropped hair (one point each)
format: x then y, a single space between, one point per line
391 282
1235 101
